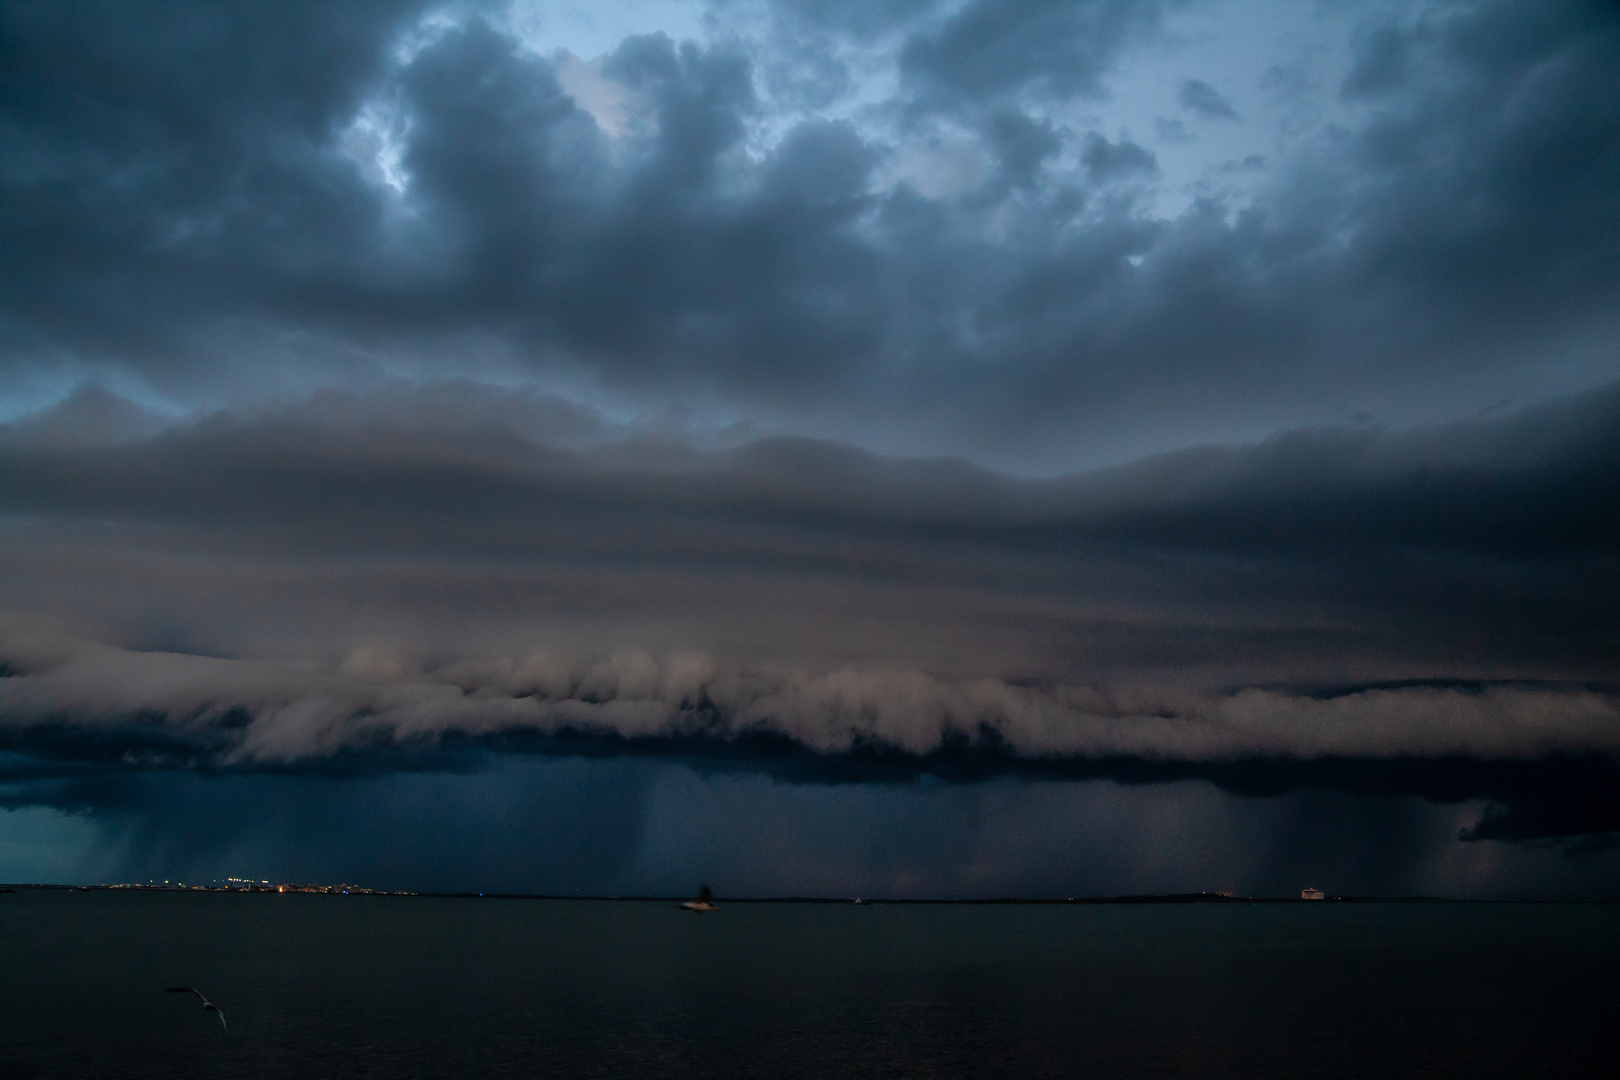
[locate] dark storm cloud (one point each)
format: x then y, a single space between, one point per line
458 472
1021 145
1204 99
163 161
1106 161
650 272
1357 545
502 437
988 49
187 205
178 709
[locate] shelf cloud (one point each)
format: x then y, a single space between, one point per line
222 712
1313 598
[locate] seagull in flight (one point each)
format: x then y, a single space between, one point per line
703 901
208 1006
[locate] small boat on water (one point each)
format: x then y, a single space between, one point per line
702 902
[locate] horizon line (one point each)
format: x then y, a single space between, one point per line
1125 898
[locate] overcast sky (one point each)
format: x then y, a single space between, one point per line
968 448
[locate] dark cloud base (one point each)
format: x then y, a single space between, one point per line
1554 798
639 826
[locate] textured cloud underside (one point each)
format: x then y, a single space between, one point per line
222 206
225 712
392 570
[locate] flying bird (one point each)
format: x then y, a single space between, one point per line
702 902
208 1006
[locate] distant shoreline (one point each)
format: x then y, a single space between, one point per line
1136 899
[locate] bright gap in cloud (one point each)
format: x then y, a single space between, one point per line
591 30
1278 65
375 141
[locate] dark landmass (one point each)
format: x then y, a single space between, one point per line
262 887
1139 898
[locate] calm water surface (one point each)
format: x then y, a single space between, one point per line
333 986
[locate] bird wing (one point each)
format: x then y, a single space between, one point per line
208 1006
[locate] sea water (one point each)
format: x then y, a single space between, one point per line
376 986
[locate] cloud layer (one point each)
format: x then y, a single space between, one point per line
380 581
177 709
266 199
